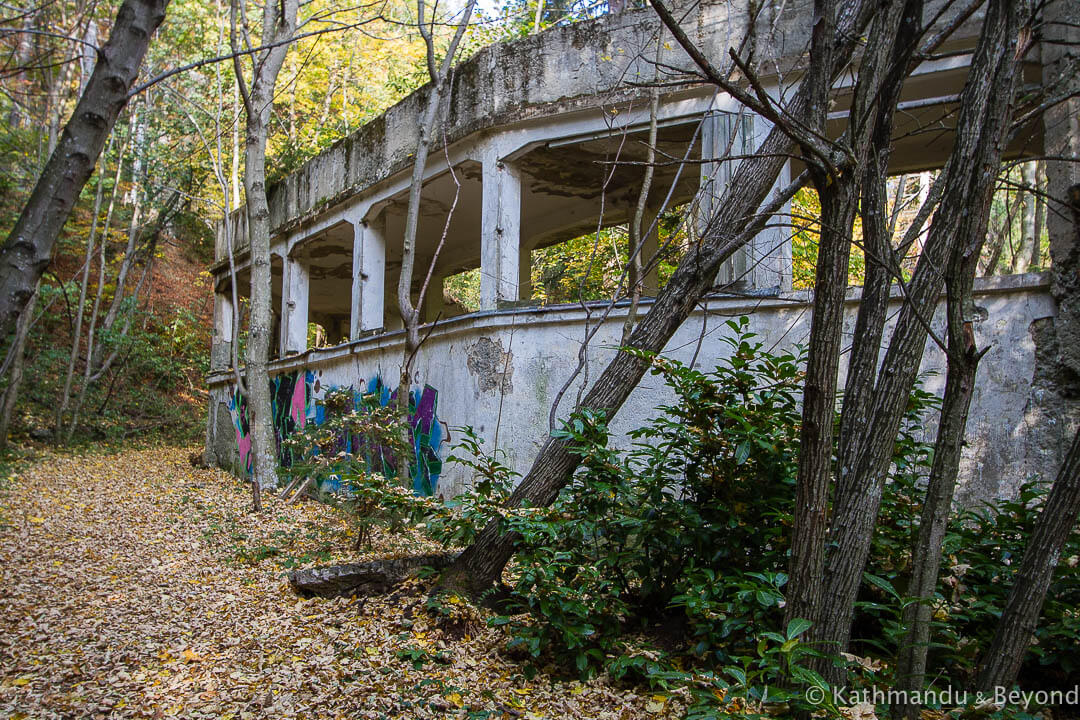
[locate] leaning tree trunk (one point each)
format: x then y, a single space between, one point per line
11 394
873 104
28 248
985 112
963 362
279 23
1056 522
735 223
877 242
1016 628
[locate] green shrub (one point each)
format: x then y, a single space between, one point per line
340 454
667 562
983 549
688 530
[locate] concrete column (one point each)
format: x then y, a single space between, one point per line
295 311
433 301
369 276
525 274
500 240
221 347
765 262
392 319
716 143
769 253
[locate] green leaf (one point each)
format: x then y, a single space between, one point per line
742 452
797 627
881 583
809 677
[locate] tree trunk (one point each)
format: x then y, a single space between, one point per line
1056 522
1003 234
963 361
278 25
11 394
28 248
971 172
836 193
735 223
80 312
806 568
1035 261
1016 628
635 263
410 314
881 74
360 579
23 48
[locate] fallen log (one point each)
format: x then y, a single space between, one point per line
370 578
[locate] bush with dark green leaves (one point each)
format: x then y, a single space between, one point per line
667 562
680 543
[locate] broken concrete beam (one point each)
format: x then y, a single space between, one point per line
370 578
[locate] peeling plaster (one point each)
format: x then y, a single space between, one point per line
492 368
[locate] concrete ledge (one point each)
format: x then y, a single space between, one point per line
488 321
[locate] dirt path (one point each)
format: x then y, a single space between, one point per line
134 585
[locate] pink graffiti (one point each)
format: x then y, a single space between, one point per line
244 446
297 409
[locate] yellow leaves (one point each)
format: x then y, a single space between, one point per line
36 520
656 704
170 617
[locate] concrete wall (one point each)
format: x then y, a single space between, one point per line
583 66
500 371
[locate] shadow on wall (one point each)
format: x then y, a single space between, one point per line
297 399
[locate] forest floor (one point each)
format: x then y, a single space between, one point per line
135 585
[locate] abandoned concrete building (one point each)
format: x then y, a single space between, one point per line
530 130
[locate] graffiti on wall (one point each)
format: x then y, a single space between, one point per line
291 395
425 429
239 414
297 399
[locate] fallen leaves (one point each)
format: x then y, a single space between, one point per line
138 586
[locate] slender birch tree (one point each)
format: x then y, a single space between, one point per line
257 91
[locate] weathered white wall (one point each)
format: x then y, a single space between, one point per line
500 371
